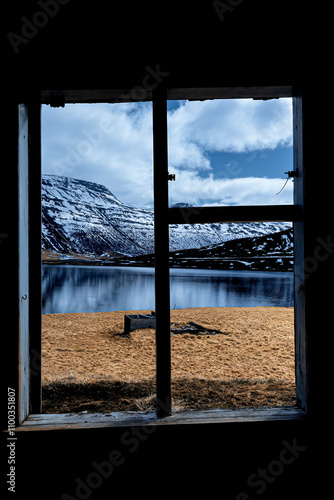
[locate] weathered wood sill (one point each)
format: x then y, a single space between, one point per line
39 422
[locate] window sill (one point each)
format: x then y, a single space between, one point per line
63 421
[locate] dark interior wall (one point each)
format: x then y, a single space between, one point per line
102 44
109 45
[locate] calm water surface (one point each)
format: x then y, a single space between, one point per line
69 289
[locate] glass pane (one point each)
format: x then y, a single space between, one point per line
97 206
230 152
232 319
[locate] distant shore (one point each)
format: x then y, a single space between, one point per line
250 363
271 263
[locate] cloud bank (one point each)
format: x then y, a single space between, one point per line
112 144
234 126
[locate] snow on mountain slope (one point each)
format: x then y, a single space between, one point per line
84 217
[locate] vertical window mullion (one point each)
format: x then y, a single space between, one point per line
161 238
23 252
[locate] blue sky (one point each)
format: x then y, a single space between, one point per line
223 152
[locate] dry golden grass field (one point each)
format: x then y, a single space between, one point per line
88 364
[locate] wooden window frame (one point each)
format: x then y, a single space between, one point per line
29 168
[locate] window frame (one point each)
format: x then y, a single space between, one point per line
29 168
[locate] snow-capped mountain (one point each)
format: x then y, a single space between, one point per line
84 217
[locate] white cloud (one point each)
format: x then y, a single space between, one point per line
198 191
234 126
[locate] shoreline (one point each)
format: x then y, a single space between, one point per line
279 263
225 265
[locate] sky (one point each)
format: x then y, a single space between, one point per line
222 152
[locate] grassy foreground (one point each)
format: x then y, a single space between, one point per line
88 365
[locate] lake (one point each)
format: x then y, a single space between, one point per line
67 289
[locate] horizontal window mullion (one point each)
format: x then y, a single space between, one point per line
258 213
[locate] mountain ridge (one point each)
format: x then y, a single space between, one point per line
83 217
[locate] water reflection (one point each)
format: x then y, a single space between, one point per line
232 289
96 289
